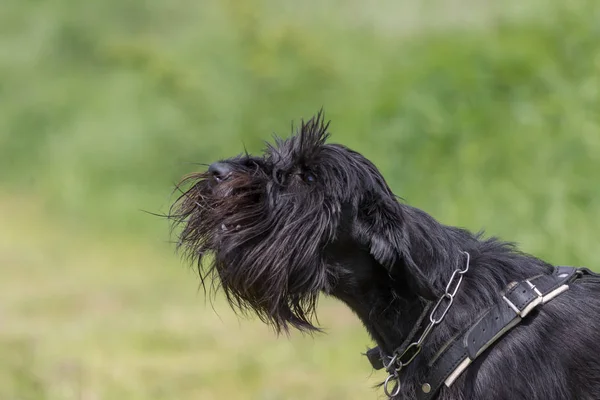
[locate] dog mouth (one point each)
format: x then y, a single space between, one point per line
220 215
234 234
209 207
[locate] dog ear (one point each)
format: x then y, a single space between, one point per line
382 226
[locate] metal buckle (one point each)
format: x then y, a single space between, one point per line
532 286
554 293
539 300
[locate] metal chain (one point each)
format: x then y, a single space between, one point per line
438 313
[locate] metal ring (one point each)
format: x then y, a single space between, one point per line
392 361
451 281
464 271
396 389
432 316
425 333
416 351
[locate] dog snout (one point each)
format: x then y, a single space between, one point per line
220 171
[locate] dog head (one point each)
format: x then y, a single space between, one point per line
271 227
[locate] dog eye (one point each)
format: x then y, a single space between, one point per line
309 177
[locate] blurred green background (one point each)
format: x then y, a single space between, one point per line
486 114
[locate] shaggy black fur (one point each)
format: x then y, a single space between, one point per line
309 217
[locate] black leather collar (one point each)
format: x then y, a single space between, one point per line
517 301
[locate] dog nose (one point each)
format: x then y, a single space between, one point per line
219 171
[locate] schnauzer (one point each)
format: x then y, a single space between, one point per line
455 315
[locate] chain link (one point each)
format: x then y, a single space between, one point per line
441 308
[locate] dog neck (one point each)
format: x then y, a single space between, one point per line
385 308
389 302
387 316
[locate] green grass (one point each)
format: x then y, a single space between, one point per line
484 115
111 319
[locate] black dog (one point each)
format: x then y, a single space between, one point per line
455 316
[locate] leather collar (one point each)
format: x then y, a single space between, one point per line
516 303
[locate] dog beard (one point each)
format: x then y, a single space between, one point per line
262 243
